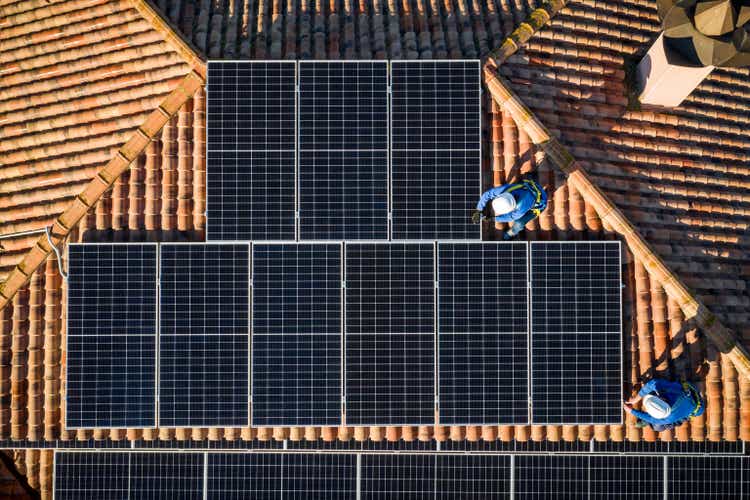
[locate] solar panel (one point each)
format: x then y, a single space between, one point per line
708 477
576 365
639 478
483 333
434 476
435 149
251 140
145 476
343 141
288 476
111 336
167 476
389 334
204 333
91 476
296 334
551 476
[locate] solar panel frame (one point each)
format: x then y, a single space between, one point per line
359 379
177 389
707 477
283 154
482 336
611 406
327 149
401 154
309 328
72 337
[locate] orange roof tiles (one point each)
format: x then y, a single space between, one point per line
678 176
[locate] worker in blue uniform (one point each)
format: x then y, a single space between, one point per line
667 404
519 203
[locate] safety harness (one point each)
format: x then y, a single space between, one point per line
539 206
695 395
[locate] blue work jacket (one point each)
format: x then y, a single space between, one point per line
526 196
677 396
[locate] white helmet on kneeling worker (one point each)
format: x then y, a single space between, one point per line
656 407
503 204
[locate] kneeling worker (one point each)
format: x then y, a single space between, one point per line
666 404
518 203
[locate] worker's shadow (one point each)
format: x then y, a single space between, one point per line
691 365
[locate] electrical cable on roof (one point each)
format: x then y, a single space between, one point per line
57 253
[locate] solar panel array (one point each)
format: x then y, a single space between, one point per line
483 333
228 476
435 149
251 150
343 143
390 328
204 335
318 159
576 365
111 336
296 337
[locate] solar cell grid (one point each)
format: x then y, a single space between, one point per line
277 476
111 336
343 142
551 476
636 477
251 143
91 476
576 363
435 149
296 334
166 476
389 334
483 333
204 334
708 477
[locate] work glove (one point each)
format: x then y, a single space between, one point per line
476 217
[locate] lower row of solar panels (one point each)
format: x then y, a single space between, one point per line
332 333
226 476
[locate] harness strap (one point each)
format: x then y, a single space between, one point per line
695 395
531 185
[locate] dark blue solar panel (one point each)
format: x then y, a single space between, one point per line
250 105
281 476
91 476
250 169
251 195
296 334
390 330
483 333
708 477
434 476
551 476
576 365
167 476
435 149
111 336
204 334
115 476
343 142
640 478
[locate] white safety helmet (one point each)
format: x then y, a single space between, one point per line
656 407
503 204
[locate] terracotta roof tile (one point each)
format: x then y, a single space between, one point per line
571 69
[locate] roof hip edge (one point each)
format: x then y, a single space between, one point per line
172 36
722 337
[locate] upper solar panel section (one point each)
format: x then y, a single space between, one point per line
343 150
251 106
435 149
250 168
343 157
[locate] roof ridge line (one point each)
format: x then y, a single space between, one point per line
724 339
172 36
103 180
